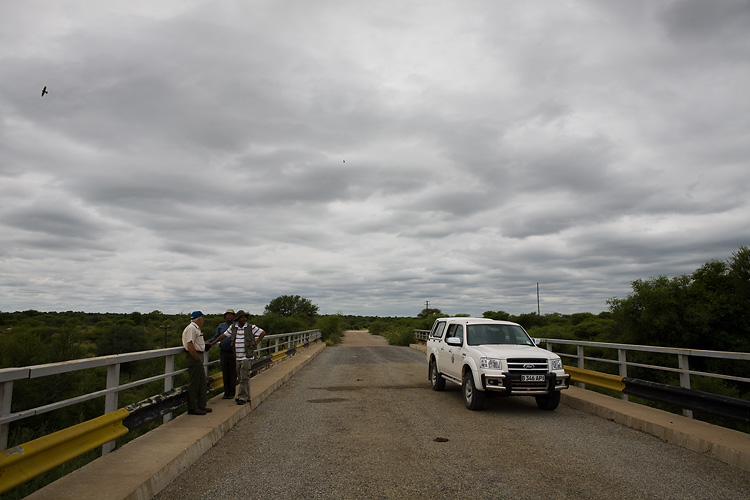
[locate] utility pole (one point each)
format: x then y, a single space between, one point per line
426 305
166 327
538 309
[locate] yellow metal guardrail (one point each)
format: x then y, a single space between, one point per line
27 461
216 382
24 462
278 356
604 380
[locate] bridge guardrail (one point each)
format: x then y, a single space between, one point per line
26 461
683 367
271 345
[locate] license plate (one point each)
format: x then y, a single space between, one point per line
532 378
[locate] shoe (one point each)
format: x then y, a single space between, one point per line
207 409
241 401
196 412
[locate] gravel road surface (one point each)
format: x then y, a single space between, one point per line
360 421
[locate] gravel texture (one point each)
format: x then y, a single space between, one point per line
360 421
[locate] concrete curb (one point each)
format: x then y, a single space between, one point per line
727 445
143 467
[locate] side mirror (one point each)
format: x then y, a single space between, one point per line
454 341
537 342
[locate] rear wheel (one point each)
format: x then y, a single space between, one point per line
437 380
549 401
473 398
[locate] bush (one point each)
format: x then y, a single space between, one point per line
331 328
378 327
274 324
401 335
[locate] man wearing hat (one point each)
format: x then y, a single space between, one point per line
244 338
192 341
226 355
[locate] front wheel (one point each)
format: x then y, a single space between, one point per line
437 380
473 398
549 401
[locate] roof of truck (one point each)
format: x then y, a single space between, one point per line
463 319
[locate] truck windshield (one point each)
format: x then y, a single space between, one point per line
497 334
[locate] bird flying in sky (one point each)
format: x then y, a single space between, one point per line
44 91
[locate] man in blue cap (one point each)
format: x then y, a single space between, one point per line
192 341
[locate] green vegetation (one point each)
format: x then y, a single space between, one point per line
33 337
707 309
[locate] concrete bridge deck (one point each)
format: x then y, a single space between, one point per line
148 464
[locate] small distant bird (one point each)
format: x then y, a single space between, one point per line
44 91
344 161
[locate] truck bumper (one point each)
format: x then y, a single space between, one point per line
511 384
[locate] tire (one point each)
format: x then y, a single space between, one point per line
548 402
437 380
473 398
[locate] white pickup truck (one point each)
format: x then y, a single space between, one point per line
484 355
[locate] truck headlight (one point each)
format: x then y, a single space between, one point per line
491 363
555 364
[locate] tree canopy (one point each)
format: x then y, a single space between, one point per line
289 305
705 310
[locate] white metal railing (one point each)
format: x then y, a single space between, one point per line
271 344
683 359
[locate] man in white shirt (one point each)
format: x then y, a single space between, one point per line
192 341
245 338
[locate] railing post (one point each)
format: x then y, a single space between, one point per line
110 400
6 395
579 349
168 382
682 360
622 358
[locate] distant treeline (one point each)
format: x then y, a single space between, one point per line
708 309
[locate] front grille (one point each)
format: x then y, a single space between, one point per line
527 366
518 365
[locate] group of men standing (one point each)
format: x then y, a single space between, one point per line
237 341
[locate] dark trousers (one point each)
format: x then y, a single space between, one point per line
228 372
197 385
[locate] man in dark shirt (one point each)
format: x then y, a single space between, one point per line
226 355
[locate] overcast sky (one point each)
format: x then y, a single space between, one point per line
369 156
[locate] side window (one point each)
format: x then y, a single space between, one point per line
451 331
438 330
459 332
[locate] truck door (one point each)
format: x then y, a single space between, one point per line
450 359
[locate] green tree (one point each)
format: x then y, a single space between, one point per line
739 276
426 313
704 310
120 338
653 313
498 315
529 320
273 323
289 305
